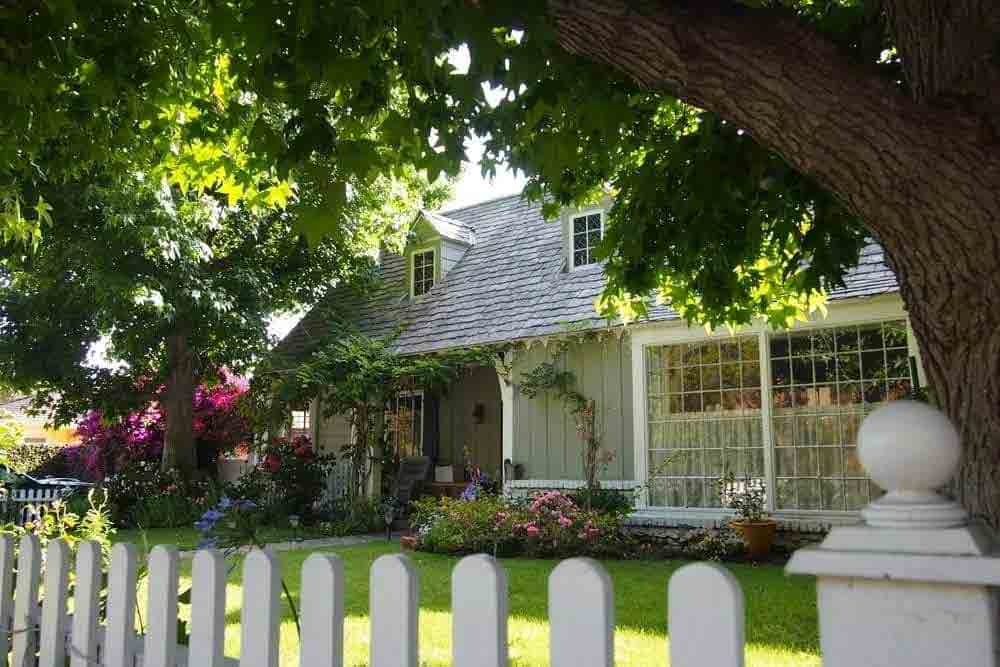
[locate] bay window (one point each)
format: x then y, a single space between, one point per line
780 407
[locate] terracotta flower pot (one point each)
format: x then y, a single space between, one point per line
758 536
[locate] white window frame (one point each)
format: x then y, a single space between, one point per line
423 408
848 313
307 413
413 269
570 253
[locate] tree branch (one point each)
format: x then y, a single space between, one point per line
889 158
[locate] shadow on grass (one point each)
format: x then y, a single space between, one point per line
781 611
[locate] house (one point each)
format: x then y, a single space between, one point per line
34 428
782 406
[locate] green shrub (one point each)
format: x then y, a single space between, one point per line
465 526
294 476
145 496
353 516
717 545
57 521
605 501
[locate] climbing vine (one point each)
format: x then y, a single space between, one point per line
548 379
353 374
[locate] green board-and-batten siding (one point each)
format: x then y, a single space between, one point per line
545 438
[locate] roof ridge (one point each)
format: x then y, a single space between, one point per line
454 221
479 203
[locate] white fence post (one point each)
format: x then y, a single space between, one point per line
915 584
208 609
120 627
261 621
52 639
479 613
6 592
322 611
25 625
160 646
83 638
394 592
581 615
706 617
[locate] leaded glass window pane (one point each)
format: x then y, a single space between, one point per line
423 272
823 384
704 418
588 231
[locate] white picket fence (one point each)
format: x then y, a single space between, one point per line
23 505
706 620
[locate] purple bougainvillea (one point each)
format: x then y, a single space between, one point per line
106 447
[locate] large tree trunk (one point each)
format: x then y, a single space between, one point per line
177 404
922 171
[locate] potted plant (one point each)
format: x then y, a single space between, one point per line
746 495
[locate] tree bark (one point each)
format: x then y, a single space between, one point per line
178 407
924 174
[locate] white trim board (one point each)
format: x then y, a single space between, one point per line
435 268
617 484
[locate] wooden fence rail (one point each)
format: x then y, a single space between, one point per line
581 612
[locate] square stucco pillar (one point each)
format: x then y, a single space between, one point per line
914 585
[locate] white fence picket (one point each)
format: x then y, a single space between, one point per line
581 615
208 609
260 619
322 611
160 647
25 625
706 612
706 617
394 592
83 636
52 638
479 613
120 631
6 592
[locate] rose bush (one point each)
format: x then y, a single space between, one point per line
290 479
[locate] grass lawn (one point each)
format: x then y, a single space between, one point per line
781 612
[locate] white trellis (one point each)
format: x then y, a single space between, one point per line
912 587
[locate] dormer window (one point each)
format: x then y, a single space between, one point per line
422 271
586 232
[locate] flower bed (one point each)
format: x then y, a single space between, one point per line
548 525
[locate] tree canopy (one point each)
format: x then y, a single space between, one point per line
175 286
752 145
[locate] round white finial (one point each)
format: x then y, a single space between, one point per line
908 446
910 449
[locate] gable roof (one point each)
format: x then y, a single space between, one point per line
511 285
449 228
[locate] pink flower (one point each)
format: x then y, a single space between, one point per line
532 530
